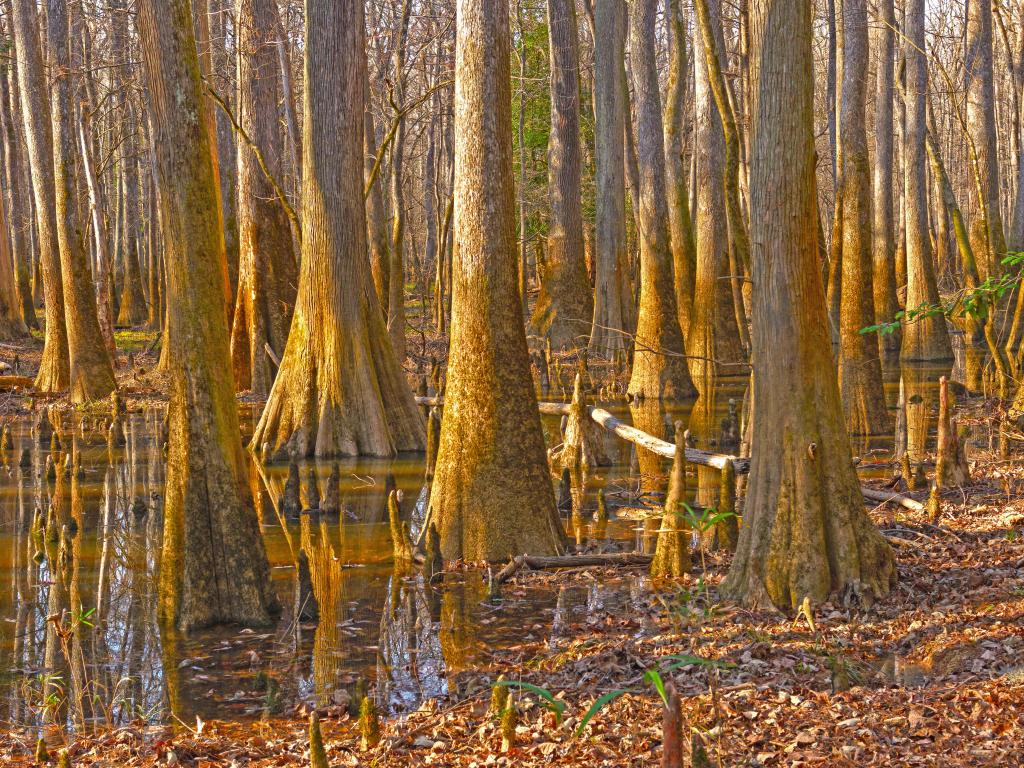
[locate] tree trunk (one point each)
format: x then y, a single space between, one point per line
491 497
714 340
91 374
267 276
396 265
376 215
684 247
659 366
340 390
565 308
53 375
613 294
805 532
927 338
860 368
884 276
214 567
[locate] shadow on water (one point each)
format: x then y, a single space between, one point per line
80 553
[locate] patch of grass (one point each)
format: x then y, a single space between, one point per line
128 340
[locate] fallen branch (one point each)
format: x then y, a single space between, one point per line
906 502
569 561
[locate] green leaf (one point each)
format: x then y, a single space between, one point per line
653 677
598 705
556 706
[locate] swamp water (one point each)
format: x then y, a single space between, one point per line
406 639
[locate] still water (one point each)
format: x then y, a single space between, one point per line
406 639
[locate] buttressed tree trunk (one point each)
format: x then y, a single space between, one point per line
713 342
884 277
613 294
860 368
805 532
214 566
684 248
926 338
91 372
565 307
340 390
267 276
54 373
659 365
492 496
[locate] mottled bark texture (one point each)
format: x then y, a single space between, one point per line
684 247
613 293
214 566
713 341
340 390
91 373
805 532
54 367
884 243
565 308
267 275
492 496
860 367
926 338
659 365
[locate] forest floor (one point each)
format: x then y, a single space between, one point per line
931 675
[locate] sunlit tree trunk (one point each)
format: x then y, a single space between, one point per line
376 215
54 373
491 496
805 533
884 273
860 368
340 390
659 366
713 342
565 307
91 373
213 566
267 277
684 248
613 295
926 338
396 266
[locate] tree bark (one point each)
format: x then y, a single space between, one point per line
884 274
927 338
267 276
860 367
214 567
565 308
805 532
54 367
492 497
613 294
659 366
340 390
396 265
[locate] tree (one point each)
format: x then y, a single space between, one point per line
396 266
91 372
565 307
884 274
53 375
860 368
340 390
928 338
684 246
491 496
805 532
659 365
214 567
267 275
613 295
713 341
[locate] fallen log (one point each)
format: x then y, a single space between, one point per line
873 494
569 561
15 382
